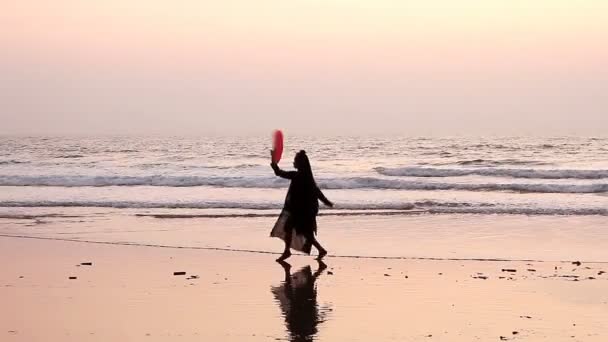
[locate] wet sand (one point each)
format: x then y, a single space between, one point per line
130 293
511 237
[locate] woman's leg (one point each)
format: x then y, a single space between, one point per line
322 251
286 253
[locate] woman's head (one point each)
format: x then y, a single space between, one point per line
301 161
302 164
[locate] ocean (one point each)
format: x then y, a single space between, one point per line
512 198
514 175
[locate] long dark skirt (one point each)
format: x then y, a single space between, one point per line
302 230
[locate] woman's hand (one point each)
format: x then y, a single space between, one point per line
274 165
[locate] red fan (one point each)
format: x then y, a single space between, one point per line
277 146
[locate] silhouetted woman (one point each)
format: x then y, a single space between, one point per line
297 224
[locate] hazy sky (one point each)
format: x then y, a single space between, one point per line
308 66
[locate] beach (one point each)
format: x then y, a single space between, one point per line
446 160
430 239
232 292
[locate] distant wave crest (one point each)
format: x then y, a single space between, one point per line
347 209
273 182
193 205
501 162
493 172
12 161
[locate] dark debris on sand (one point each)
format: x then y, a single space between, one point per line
480 277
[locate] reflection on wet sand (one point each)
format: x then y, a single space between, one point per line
297 298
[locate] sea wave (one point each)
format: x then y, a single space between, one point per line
499 162
152 180
232 167
346 209
12 161
493 172
273 182
524 211
191 205
389 212
70 156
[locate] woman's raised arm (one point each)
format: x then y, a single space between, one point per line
281 173
278 171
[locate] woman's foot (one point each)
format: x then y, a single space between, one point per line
322 254
284 256
322 265
285 265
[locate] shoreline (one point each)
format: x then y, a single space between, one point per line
456 236
233 250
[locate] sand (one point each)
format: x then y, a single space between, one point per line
130 293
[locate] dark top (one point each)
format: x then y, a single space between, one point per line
303 195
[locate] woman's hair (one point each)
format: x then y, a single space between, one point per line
303 165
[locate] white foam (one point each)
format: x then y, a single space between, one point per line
493 172
430 207
154 180
273 182
193 205
523 211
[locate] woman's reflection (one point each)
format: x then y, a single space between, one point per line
297 297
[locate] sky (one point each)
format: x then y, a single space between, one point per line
327 67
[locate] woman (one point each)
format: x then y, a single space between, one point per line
297 224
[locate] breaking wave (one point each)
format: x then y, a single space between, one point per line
345 209
272 182
493 172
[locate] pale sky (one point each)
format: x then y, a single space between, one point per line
308 66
